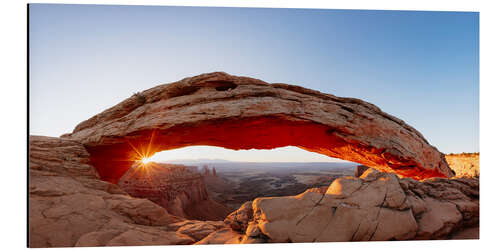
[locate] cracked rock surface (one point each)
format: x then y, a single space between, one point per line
377 206
70 206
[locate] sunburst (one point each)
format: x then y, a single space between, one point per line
146 160
143 154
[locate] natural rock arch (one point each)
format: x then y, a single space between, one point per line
233 112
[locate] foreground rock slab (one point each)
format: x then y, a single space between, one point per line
70 206
222 110
378 206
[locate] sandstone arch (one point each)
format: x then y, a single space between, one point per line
233 112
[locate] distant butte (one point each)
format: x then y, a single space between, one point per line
219 109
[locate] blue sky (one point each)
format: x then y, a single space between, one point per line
422 67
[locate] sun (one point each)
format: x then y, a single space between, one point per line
146 160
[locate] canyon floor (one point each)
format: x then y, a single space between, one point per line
238 182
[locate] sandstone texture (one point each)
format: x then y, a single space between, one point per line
80 184
465 164
219 109
378 206
70 206
179 189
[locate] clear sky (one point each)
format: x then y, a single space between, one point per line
422 67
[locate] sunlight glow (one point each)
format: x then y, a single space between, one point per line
282 154
146 160
147 153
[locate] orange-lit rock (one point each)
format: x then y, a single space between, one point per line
464 164
233 112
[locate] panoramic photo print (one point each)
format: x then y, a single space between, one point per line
163 125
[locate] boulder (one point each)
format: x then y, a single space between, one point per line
222 236
238 220
200 229
377 206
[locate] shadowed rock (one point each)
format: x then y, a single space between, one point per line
233 112
360 169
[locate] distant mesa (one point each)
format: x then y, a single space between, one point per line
464 164
207 172
218 109
200 160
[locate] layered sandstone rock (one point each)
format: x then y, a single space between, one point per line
465 164
197 229
70 206
173 187
222 110
377 206
180 189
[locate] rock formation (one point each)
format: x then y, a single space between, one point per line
465 164
222 110
173 187
74 199
177 188
377 206
360 169
205 170
70 206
